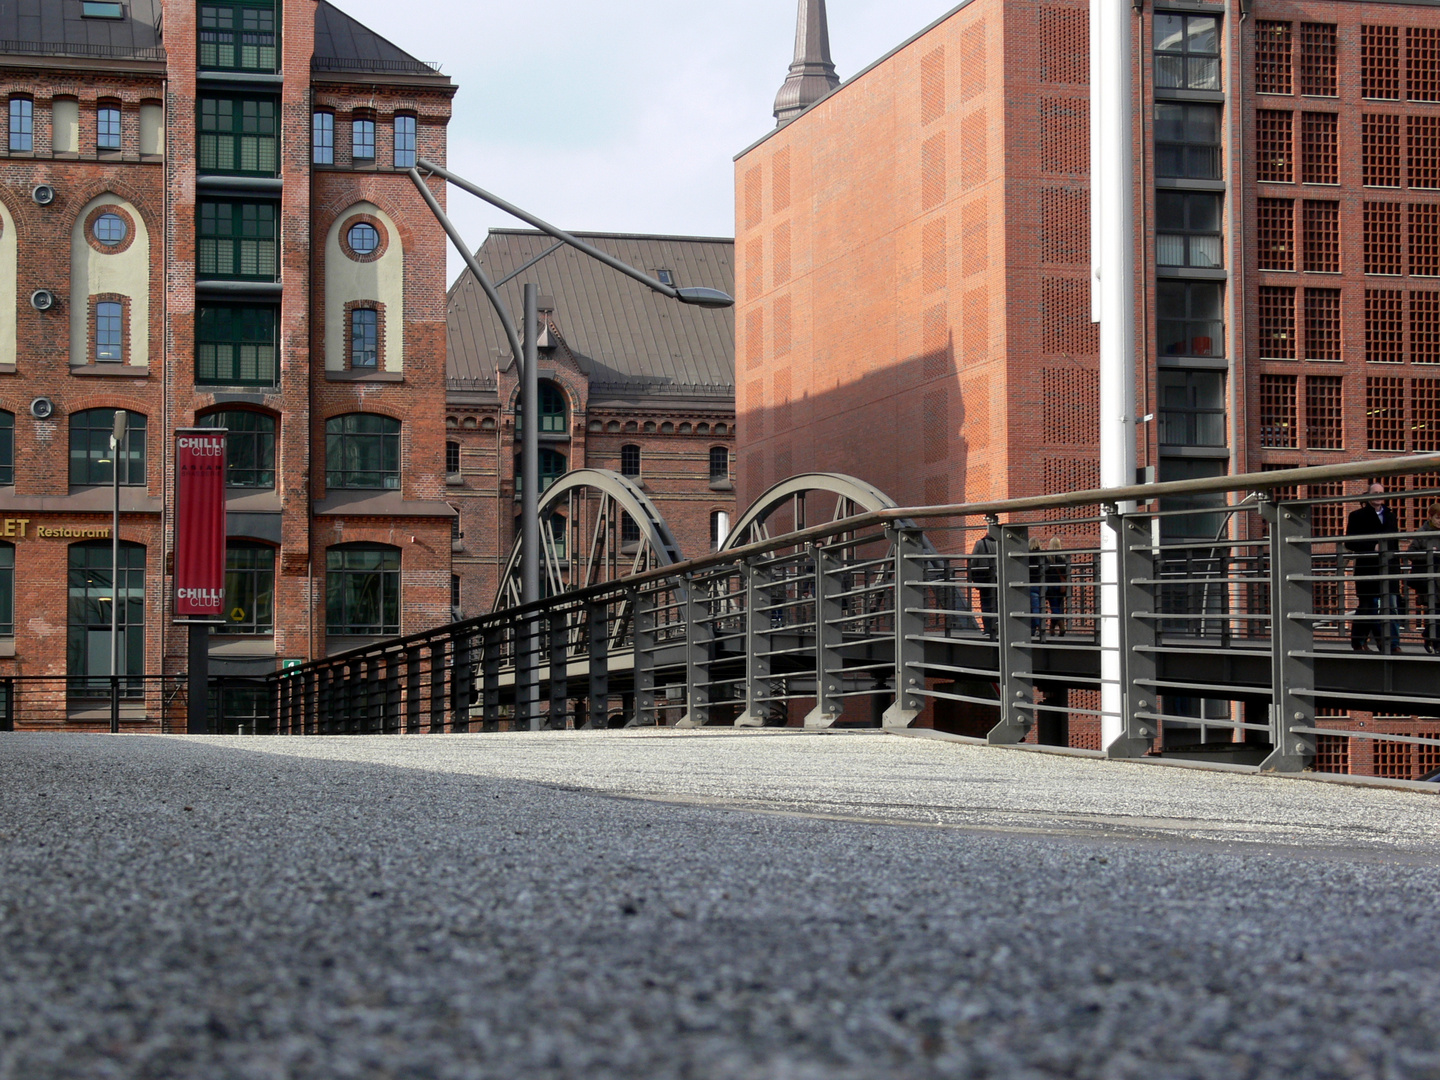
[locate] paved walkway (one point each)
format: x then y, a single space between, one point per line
760 905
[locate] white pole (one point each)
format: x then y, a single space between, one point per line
1115 195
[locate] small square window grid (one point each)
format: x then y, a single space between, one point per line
1317 59
22 125
1380 150
1384 326
1385 413
323 139
1422 63
1380 62
404 142
1279 420
1425 239
1277 322
1274 146
1322 324
1425 415
362 145
1381 238
1322 237
1319 148
1324 412
1275 231
1422 143
1425 327
1273 49
109 320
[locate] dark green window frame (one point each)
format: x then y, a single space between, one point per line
7 590
362 450
239 135
552 467
88 618
554 419
236 240
362 590
90 455
235 345
238 35
7 448
249 588
249 446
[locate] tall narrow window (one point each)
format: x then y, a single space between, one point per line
1322 324
238 136
91 459
237 241
1317 59
629 529
1422 63
1385 427
1187 229
1380 150
235 345
1422 143
1324 412
1275 232
452 458
362 450
1187 51
362 590
109 330
1274 146
1190 319
1380 62
7 590
107 127
362 140
1187 141
719 528
93 591
1322 237
1273 46
1279 429
249 588
1384 326
237 35
7 447
719 463
22 124
1319 148
364 338
1192 408
404 142
323 138
1381 238
1425 415
1277 322
249 446
1425 239
629 460
1425 328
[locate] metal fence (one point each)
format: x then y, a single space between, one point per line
1243 628
96 702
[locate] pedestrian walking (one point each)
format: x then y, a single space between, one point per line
1057 575
981 572
1425 577
1374 559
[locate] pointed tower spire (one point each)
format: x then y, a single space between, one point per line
812 75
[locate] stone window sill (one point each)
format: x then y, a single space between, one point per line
111 371
365 376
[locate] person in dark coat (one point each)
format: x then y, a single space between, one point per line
981 572
1425 577
1057 573
1373 559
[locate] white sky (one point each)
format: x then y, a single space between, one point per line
619 115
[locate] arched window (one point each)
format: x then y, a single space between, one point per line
362 450
552 467
249 446
7 447
91 598
629 529
91 460
629 460
249 588
452 458
719 463
362 589
404 142
553 412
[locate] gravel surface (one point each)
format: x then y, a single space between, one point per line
707 905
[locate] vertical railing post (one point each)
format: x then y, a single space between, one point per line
460 683
1017 653
1139 634
325 701
1292 638
309 703
642 603
7 713
829 634
558 623
908 596
354 676
437 686
493 640
597 629
412 690
527 665
757 646
699 654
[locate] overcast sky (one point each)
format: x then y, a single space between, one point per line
619 115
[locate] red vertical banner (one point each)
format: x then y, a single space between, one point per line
200 523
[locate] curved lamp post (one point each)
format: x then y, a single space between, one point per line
525 356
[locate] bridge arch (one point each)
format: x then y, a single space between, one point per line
804 500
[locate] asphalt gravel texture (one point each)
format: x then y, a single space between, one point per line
758 905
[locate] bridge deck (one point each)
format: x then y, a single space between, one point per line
719 904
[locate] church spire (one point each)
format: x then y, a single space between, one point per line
812 75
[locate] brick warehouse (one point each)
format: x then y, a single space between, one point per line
647 391
214 226
912 250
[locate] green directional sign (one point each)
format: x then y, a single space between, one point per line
286 665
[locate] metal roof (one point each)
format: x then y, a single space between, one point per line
343 44
628 339
57 28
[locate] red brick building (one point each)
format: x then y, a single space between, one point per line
205 219
630 381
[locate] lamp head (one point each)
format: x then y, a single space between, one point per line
700 296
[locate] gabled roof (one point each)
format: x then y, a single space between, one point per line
343 44
57 28
630 340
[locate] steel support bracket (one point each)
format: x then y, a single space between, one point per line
1139 633
757 647
829 634
699 655
909 597
597 630
642 603
558 622
1013 610
1292 638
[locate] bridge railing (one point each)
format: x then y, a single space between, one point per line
1231 633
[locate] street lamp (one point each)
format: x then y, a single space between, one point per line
525 356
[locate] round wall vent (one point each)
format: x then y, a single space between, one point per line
42 408
43 194
42 299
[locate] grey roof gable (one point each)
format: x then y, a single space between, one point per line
344 44
631 340
57 28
